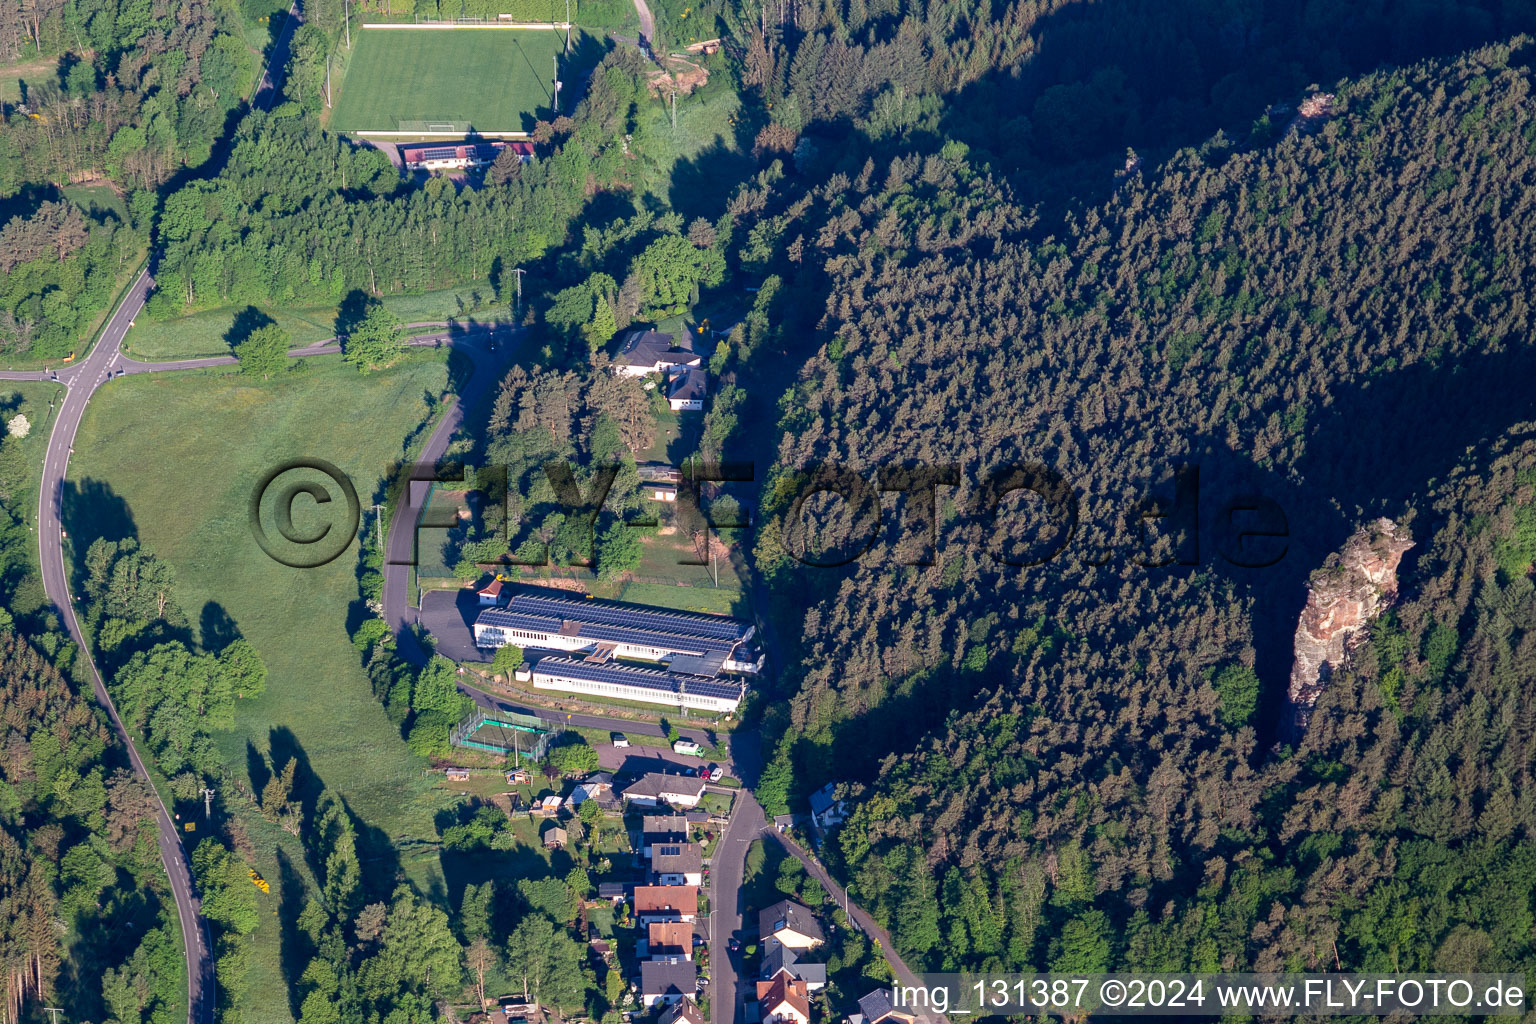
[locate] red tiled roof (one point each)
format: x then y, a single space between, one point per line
773 994
651 899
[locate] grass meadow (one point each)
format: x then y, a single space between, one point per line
206 333
497 79
724 600
172 459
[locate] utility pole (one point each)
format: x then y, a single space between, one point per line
348 20
378 521
556 59
567 28
518 312
328 81
207 803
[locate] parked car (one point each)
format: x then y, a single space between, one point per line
619 739
687 747
716 773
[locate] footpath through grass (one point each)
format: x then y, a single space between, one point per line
173 459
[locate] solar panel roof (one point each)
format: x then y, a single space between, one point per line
508 618
614 614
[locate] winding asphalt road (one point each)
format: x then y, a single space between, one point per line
105 361
400 541
81 380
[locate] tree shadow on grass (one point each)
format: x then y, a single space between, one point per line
247 322
217 628
90 510
379 861
352 310
256 767
296 950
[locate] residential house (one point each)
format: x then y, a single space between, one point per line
669 938
685 389
643 352
790 924
654 472
664 982
516 1009
684 1011
877 1008
783 1001
666 903
826 809
783 960
597 786
677 864
655 790
662 828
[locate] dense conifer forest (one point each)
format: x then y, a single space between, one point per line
1113 785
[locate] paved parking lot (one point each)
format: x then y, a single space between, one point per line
449 616
638 760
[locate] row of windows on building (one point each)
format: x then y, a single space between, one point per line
628 692
501 633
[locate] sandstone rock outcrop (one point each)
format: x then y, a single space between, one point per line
1355 586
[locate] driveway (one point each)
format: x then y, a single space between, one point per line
449 616
647 27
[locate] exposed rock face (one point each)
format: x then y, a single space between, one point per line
1357 584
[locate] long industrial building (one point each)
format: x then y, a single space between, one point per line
696 644
628 682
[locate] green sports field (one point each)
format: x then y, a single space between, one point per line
496 79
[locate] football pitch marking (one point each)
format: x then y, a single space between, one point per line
401 85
